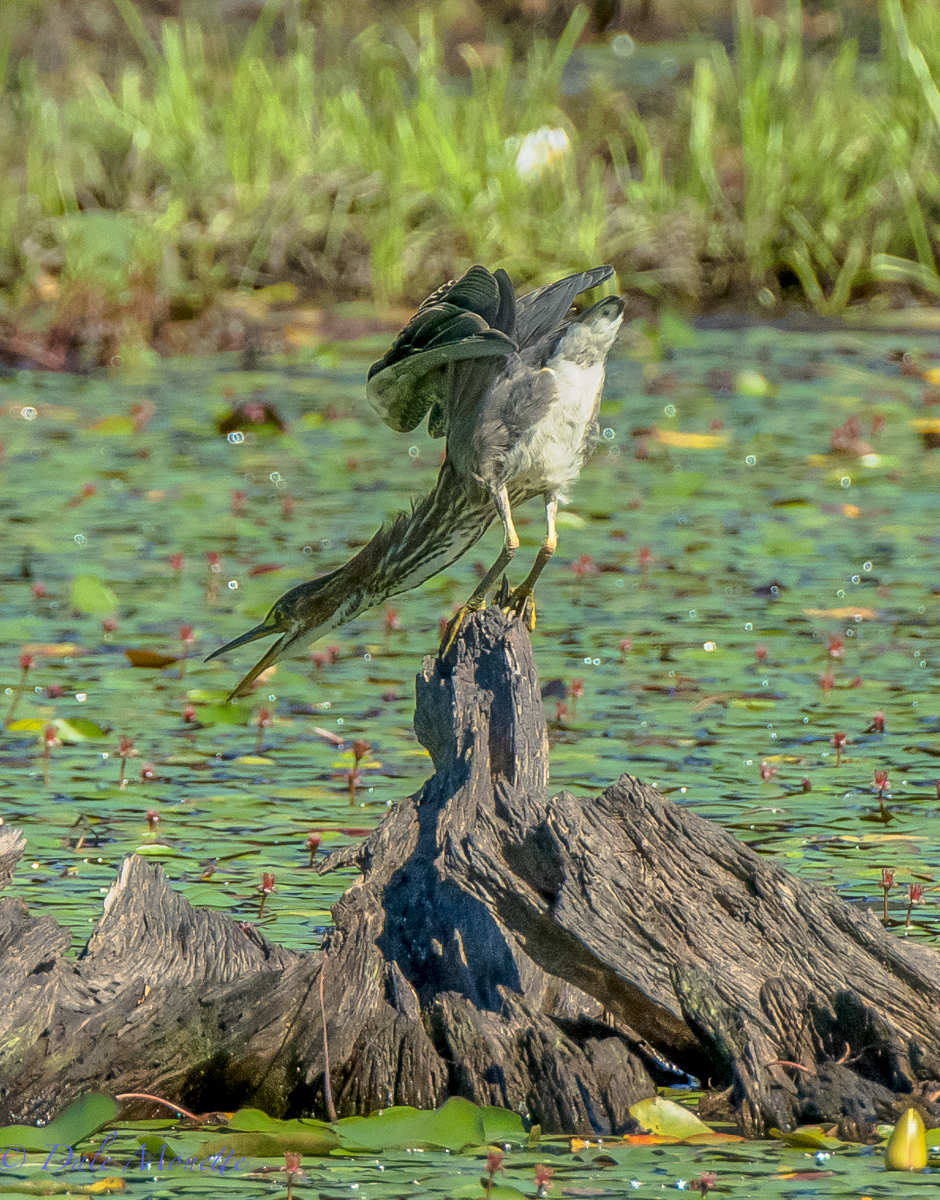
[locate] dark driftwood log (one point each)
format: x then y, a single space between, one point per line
546 954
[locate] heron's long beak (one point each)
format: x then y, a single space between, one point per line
270 656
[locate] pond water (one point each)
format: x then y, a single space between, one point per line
743 610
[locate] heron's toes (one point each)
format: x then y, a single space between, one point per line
455 624
520 604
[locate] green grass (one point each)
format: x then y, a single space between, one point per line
362 167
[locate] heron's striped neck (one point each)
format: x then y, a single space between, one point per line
412 547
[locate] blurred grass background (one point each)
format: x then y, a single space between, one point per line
159 157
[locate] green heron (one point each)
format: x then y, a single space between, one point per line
514 384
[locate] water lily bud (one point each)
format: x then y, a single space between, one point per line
907 1146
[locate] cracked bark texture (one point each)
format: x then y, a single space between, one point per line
556 955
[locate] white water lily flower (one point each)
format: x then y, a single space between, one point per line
542 149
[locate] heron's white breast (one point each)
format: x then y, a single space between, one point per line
550 456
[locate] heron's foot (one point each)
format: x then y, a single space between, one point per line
455 624
519 603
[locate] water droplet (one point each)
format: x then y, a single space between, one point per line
80 539
587 662
774 590
594 662
840 593
751 460
308 550
748 626
236 437
274 476
414 452
28 414
866 566
609 434
367 657
850 633
670 410
233 585
856 578
325 544
339 720
845 481
623 45
81 697
708 646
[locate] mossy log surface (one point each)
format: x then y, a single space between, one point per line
557 955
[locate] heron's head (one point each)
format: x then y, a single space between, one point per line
296 616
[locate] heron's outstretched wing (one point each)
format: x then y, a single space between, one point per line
542 311
470 318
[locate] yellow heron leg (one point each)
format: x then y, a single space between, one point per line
477 599
522 600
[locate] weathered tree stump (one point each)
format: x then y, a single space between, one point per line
553 955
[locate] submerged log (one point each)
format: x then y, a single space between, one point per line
555 955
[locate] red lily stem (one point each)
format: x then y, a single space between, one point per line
327 1086
20 688
159 1100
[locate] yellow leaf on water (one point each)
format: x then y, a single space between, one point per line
53 649
150 658
650 1139
753 383
115 423
690 441
666 1118
842 614
931 376
90 596
926 424
713 1138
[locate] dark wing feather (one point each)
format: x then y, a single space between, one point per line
543 310
470 318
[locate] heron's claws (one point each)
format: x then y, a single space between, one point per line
455 624
518 603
